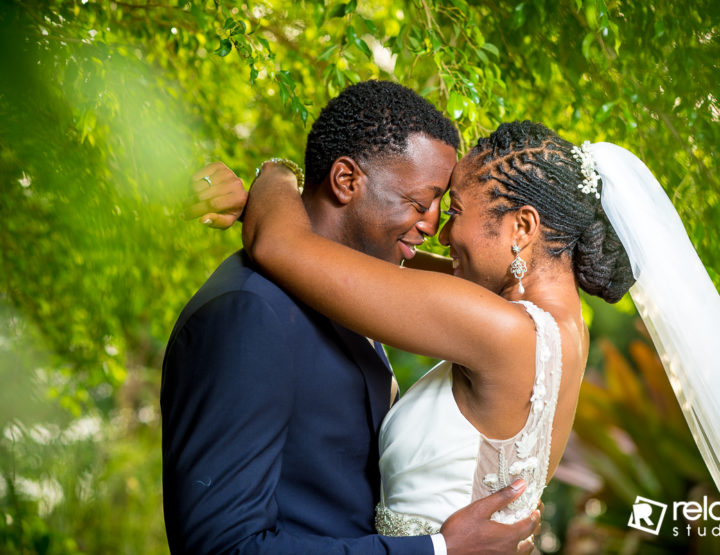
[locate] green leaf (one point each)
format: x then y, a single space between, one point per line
339 77
284 93
449 81
299 109
243 48
357 41
587 41
435 41
455 105
414 44
286 79
225 47
370 25
342 10
265 44
491 48
325 54
229 24
241 28
591 15
362 45
337 11
352 76
519 15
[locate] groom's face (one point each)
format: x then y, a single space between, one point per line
400 204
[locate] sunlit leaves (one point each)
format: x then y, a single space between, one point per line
341 10
357 41
455 105
225 48
480 63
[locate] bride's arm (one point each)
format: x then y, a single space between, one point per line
423 312
219 198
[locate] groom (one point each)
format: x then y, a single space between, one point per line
271 411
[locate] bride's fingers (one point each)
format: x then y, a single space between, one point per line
208 170
213 176
233 186
231 202
198 203
219 221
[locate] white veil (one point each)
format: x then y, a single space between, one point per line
673 293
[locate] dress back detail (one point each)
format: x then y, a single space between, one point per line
433 461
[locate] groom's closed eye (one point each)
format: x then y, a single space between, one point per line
419 206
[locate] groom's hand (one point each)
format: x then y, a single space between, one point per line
218 197
470 529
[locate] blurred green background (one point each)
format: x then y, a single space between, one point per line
107 108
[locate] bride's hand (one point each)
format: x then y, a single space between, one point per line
218 197
274 206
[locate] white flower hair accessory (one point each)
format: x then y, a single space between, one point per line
582 154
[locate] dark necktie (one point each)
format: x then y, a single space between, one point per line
394 385
381 353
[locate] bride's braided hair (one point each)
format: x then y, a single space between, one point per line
526 163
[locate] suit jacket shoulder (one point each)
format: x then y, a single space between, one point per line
237 273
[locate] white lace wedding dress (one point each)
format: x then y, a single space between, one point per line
434 462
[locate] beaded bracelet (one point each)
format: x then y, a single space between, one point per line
289 164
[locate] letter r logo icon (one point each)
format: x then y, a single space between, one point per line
647 515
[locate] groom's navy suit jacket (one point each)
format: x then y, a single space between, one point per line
270 418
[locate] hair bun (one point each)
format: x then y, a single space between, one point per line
601 265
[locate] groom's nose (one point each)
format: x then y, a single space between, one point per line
428 225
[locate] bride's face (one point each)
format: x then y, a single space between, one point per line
480 242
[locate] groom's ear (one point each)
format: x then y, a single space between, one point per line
346 179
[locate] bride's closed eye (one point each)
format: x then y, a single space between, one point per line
451 212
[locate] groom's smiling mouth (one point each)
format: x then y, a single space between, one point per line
408 249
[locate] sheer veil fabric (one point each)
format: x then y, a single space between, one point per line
673 292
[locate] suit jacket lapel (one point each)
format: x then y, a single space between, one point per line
376 373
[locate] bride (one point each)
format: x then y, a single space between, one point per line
532 218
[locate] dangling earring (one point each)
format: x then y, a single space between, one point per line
518 268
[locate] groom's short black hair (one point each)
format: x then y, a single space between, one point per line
367 119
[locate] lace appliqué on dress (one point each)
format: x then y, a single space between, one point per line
390 523
527 455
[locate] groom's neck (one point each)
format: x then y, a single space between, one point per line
326 219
